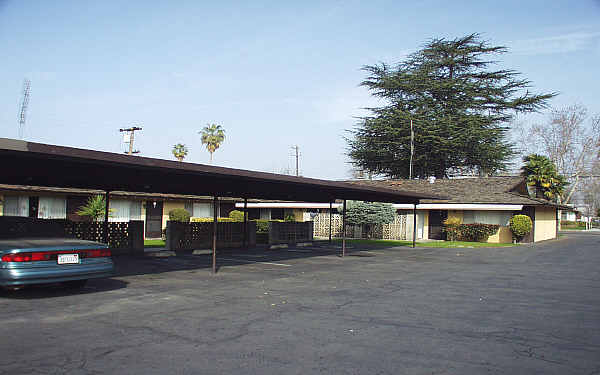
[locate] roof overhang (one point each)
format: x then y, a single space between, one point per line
36 164
429 206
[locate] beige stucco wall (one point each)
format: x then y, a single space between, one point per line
504 235
299 214
426 225
455 214
545 224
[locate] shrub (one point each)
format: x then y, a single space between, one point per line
477 232
572 224
210 220
180 215
236 215
290 218
520 226
451 227
262 225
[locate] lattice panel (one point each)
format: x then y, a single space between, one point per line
197 234
118 232
321 225
393 231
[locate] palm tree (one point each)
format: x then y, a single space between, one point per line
212 136
180 151
541 173
94 208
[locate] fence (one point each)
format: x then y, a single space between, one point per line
199 235
290 232
399 229
124 237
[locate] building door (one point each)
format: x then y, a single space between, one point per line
33 206
436 224
154 213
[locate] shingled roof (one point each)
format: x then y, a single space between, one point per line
487 190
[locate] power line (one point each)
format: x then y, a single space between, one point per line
128 138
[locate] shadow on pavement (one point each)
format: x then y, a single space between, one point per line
141 265
60 290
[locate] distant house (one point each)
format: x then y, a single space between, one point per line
491 200
62 203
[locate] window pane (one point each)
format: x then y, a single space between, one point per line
52 208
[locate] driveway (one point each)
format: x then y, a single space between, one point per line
520 310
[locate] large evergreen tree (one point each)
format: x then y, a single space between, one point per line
459 107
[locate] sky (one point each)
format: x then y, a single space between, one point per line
273 74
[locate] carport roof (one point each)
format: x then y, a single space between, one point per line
28 163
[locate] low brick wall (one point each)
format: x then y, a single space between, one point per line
199 235
290 232
124 237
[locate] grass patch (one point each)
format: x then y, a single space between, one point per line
154 243
442 244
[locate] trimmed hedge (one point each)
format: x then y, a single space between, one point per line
470 232
520 226
210 220
573 224
236 215
262 225
180 215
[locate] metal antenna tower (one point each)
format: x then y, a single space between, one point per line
24 104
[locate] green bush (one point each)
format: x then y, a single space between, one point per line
236 215
451 227
572 224
262 225
520 226
210 220
477 232
290 218
180 215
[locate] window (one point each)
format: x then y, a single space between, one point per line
52 208
203 210
124 210
277 213
15 206
487 217
189 207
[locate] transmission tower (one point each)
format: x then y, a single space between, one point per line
24 103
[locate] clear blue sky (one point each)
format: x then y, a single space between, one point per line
273 74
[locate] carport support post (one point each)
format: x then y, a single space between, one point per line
414 224
214 244
344 230
330 213
245 244
106 210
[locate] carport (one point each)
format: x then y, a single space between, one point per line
36 164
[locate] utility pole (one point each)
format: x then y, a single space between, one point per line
412 150
129 137
297 149
24 104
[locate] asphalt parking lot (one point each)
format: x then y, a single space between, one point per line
520 310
